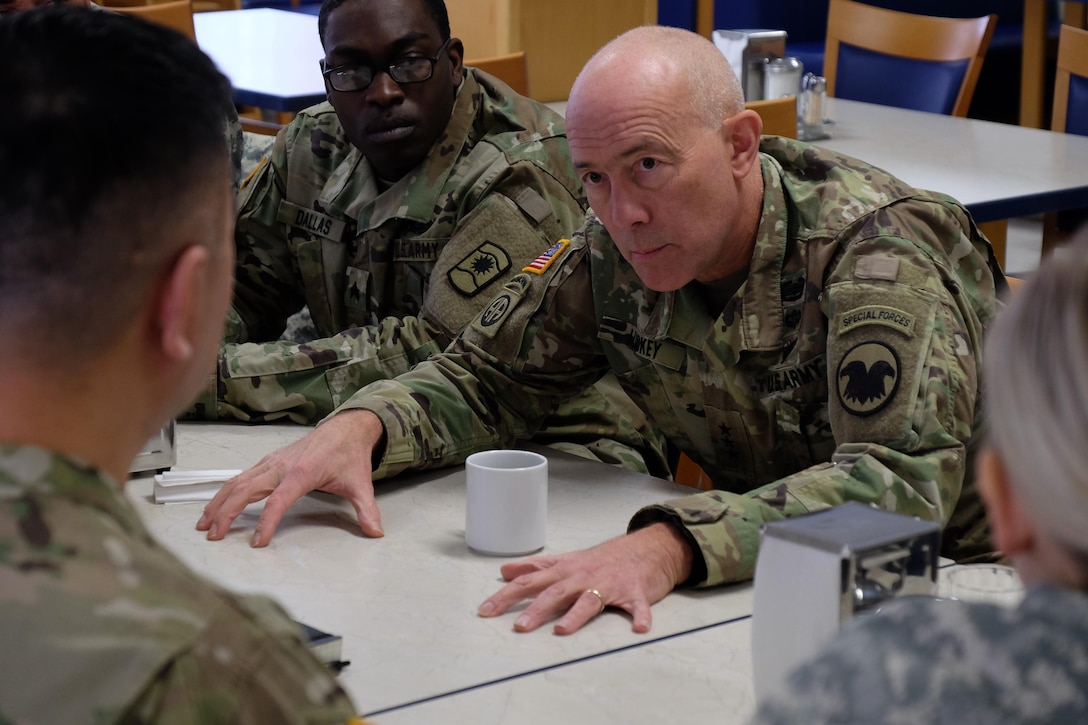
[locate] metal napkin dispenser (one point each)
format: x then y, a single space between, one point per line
748 51
159 453
814 573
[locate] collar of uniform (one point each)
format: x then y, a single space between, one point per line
760 323
415 196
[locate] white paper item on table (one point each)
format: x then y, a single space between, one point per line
732 45
191 486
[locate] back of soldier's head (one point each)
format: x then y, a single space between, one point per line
1037 393
108 127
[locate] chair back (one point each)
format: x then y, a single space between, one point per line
512 69
1071 83
176 14
901 59
779 115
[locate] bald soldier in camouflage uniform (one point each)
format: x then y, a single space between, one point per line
801 324
392 269
98 622
861 294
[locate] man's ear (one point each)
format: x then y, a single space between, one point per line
455 51
743 132
1013 529
177 311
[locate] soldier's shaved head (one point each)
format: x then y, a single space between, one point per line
110 127
681 56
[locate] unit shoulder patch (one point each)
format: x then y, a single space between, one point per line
479 268
867 378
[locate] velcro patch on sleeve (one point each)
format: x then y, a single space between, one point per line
878 358
540 264
490 321
479 268
533 204
876 267
898 320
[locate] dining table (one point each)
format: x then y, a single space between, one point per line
405 605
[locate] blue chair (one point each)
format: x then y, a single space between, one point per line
902 59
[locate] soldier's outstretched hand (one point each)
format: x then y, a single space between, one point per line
631 572
335 458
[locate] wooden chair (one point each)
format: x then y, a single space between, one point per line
779 115
512 69
176 14
901 59
1070 115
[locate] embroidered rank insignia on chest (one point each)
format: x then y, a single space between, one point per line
540 264
483 266
867 378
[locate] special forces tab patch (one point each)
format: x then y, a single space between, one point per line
867 378
483 266
899 320
540 264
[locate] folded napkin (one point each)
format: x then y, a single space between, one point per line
190 486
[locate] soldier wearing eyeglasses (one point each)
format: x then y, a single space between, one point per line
395 211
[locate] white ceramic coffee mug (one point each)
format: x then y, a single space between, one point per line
506 504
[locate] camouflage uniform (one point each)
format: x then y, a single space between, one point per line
101 624
255 147
931 661
844 368
391 276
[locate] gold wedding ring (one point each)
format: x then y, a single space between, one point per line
597 594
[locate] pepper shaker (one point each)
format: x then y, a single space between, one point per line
812 107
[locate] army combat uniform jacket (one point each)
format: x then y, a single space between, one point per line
391 273
922 660
99 623
844 368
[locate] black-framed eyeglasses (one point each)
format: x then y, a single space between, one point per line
356 77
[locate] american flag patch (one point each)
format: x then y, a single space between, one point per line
541 263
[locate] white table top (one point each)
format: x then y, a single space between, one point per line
405 604
997 170
270 56
698 677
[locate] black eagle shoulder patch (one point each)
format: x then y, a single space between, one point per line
867 378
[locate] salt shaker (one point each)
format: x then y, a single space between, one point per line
812 107
782 77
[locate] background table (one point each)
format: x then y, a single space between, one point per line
406 604
270 56
997 170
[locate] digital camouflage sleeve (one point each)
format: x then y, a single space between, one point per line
924 660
